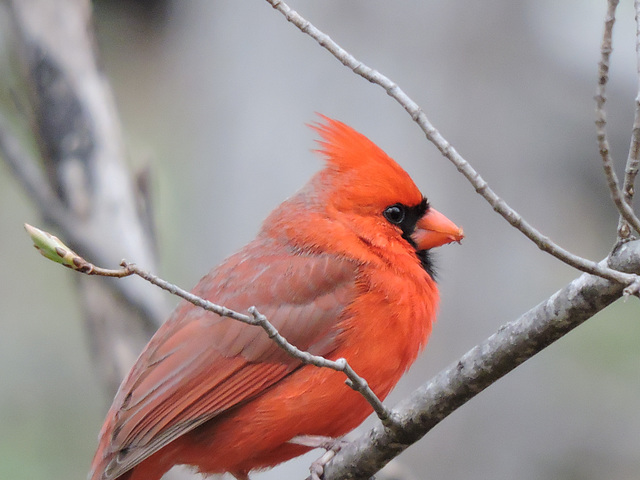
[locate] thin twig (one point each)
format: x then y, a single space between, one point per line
26 170
434 136
628 217
633 160
54 249
256 318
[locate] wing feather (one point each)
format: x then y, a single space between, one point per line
199 365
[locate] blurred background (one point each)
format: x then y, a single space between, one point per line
214 97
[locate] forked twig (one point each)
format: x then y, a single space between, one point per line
628 218
434 136
52 248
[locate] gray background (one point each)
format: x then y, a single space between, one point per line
215 96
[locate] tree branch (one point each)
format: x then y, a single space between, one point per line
510 346
52 248
482 366
256 318
628 218
434 136
513 343
633 160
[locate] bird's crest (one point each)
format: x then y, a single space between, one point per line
354 160
344 148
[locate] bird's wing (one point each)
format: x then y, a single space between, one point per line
199 365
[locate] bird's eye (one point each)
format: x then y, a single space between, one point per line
395 213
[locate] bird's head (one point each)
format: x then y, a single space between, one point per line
363 191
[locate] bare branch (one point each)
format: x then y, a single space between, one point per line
354 381
628 217
486 363
434 136
54 249
483 365
255 318
633 160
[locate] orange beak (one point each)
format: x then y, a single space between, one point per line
434 230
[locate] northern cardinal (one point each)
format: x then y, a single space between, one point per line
342 269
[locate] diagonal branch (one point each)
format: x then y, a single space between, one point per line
256 318
52 248
434 136
510 346
628 218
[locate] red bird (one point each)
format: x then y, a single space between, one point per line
342 269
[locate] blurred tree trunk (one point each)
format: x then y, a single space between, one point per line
80 181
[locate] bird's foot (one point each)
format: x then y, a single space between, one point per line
330 444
